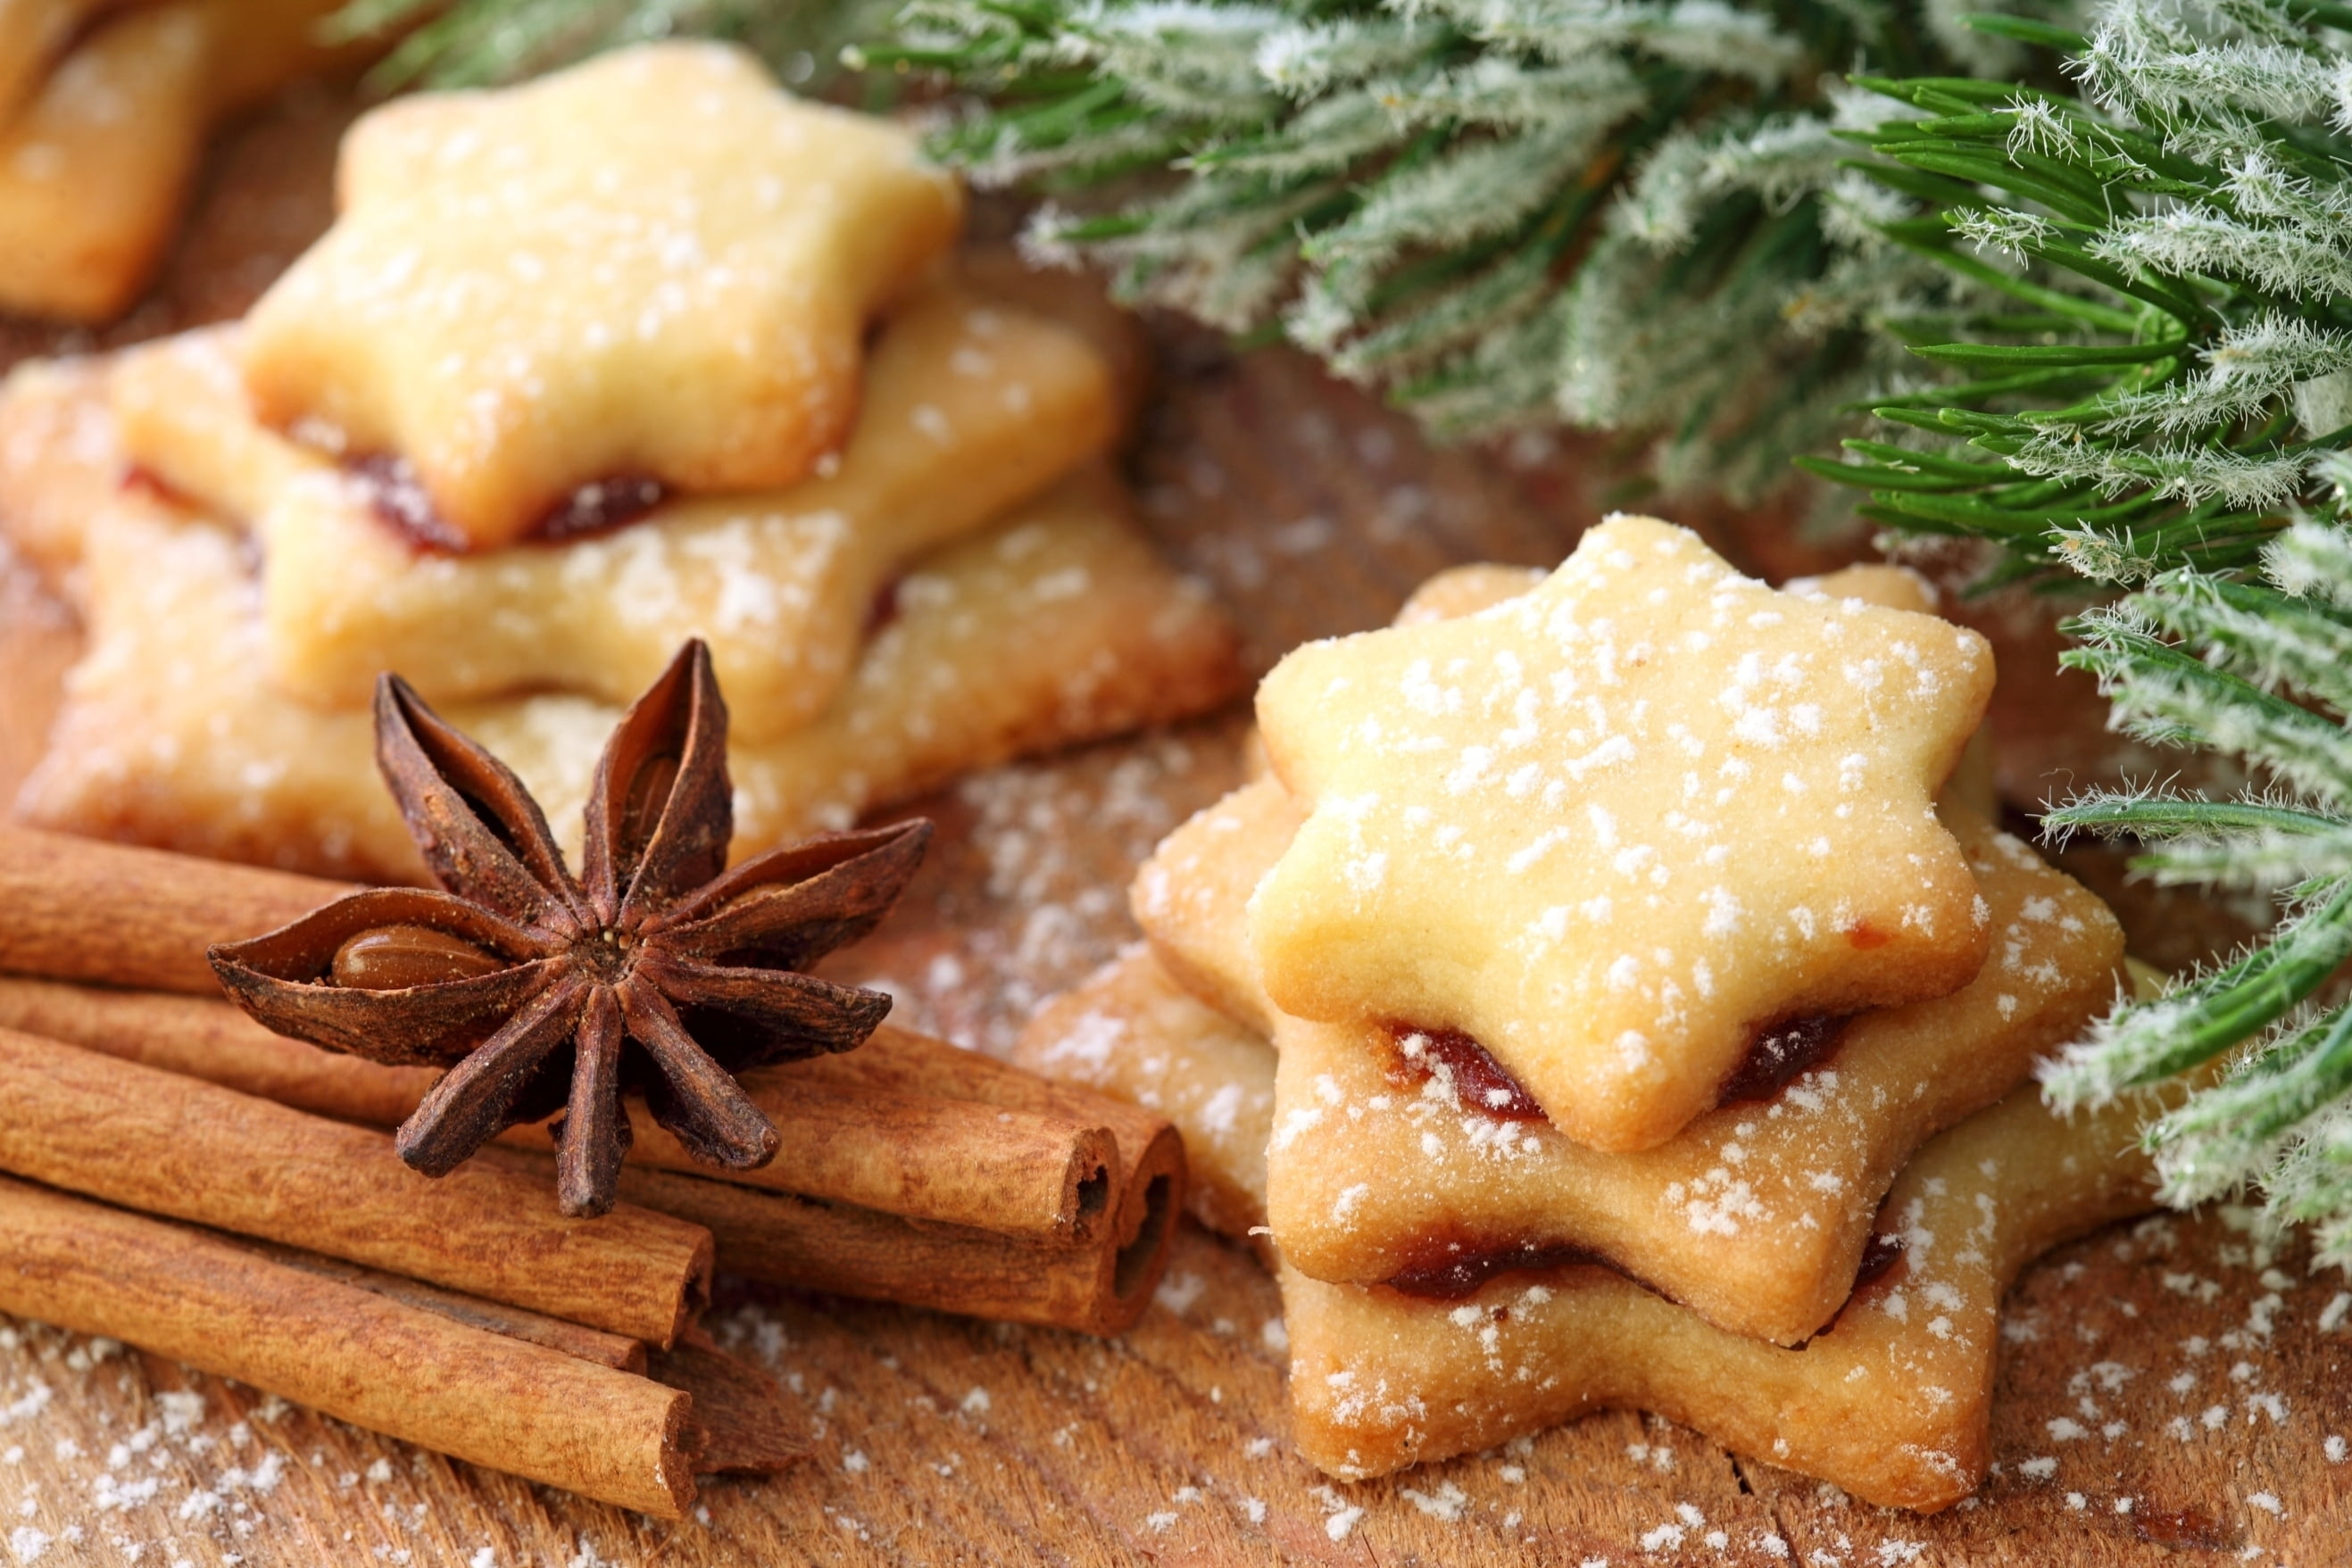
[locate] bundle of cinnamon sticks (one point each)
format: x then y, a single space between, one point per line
249 1220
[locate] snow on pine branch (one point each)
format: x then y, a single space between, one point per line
2253 666
1436 196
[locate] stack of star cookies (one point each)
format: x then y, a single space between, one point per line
104 109
643 351
1617 993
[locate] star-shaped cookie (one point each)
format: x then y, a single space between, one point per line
656 265
970 408
1618 829
1888 1400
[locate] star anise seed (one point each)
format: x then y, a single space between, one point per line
657 970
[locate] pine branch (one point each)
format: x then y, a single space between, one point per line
2166 407
2254 669
2194 205
1626 213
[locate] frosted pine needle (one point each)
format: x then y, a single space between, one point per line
1632 214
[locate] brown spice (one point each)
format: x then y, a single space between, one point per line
656 970
392 1366
912 1127
81 909
168 1144
1096 1278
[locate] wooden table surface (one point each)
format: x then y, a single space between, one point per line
2168 1392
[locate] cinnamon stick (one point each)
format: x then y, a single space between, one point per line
78 909
1099 1287
898 1061
808 1245
1033 1176
798 1239
926 1131
169 1144
615 1351
740 1422
364 1358
743 1423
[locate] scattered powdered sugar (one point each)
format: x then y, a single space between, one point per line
1446 1502
153 1503
1179 1290
1056 844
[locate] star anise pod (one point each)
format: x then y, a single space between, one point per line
656 970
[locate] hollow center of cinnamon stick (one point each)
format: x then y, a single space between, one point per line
1132 1266
1094 1193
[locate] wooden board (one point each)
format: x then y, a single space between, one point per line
2169 1392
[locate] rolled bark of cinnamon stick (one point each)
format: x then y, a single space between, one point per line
615 1351
82 910
898 1061
1097 1286
741 1423
364 1358
800 1242
797 1240
169 1144
213 1040
1033 1176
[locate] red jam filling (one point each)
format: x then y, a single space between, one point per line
1455 1270
1479 1080
1465 1273
395 495
1778 1052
